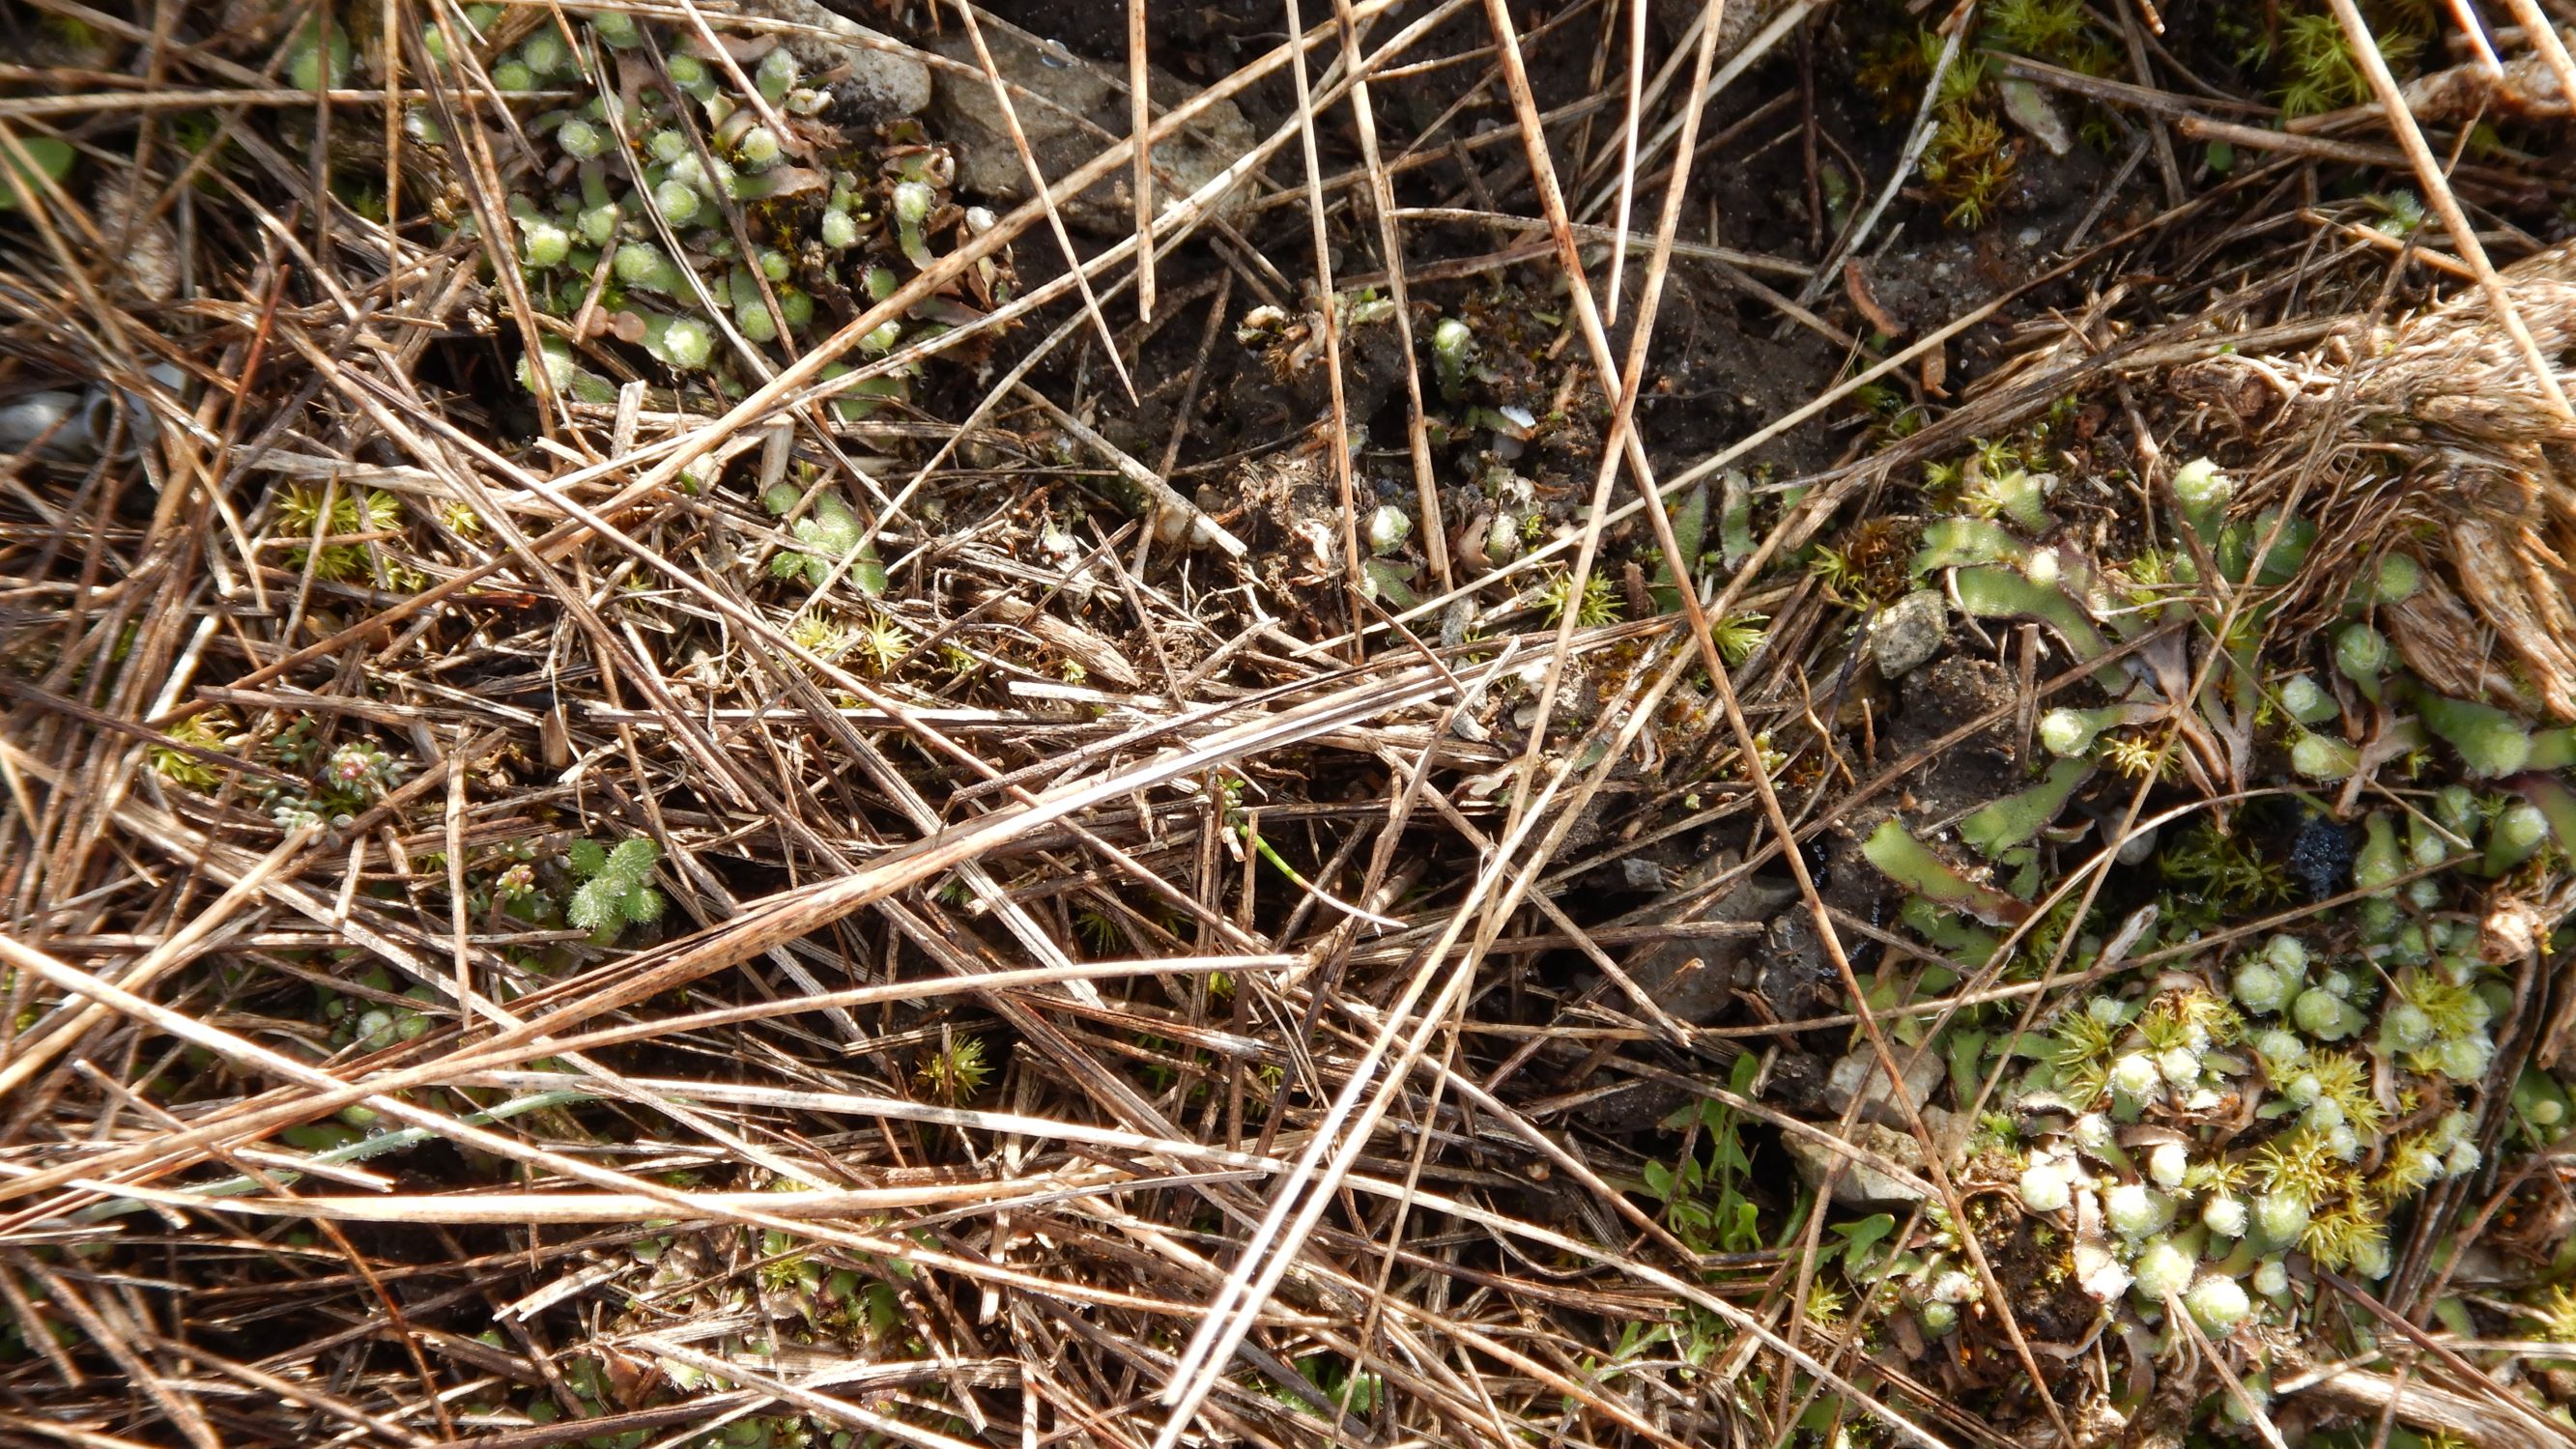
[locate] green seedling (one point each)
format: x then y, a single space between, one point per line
2072 731
1910 863
1960 542
2556 803
2489 741
912 201
2324 757
2304 700
776 75
750 311
1735 540
758 147
616 888
829 533
644 267
616 29
50 157
2396 580
1958 938
2281 561
1452 342
683 344
691 75
860 400
2379 861
545 53
2015 494
315 61
543 244
1690 530
1388 528
1989 592
2361 655
2018 818
1389 579
2552 749
2201 493
565 375
678 202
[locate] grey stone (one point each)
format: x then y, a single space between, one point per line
1860 1185
883 80
1908 632
1065 92
1859 1075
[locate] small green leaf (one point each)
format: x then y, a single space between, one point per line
1967 1049
1959 542
1739 1078
633 859
642 905
1690 530
2015 819
1989 592
594 907
1659 1181
1740 1229
52 157
1735 521
868 573
1864 1235
2454 1316
1910 863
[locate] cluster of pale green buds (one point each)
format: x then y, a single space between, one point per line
646 173
359 768
2436 1017
2147 1251
2159 1223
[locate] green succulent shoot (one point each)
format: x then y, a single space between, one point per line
1452 343
1912 864
2201 493
828 533
912 203
616 888
2489 741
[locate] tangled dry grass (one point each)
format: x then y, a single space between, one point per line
2428 435
598 904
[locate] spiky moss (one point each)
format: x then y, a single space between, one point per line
2185 1195
1971 160
2314 63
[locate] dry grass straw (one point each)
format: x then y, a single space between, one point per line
982 1082
2429 436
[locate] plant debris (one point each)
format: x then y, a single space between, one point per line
1035 725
